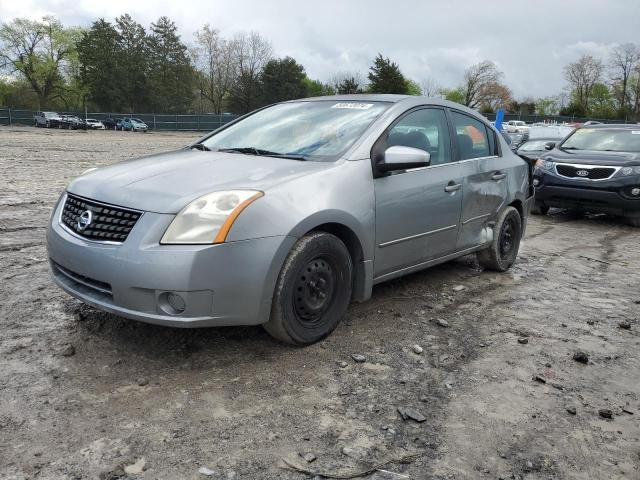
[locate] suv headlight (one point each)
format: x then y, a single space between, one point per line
209 218
544 164
626 171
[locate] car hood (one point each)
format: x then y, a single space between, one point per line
589 157
166 183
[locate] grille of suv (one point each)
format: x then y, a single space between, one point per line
595 173
108 223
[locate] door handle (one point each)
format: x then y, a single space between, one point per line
452 187
498 176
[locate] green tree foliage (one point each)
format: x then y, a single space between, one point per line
133 64
413 88
454 95
315 88
37 51
385 77
100 70
601 103
546 106
282 79
348 86
171 77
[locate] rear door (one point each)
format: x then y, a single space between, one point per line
484 178
418 210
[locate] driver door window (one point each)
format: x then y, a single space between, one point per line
425 129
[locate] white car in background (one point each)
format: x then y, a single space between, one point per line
94 124
516 126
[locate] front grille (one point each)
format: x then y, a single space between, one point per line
594 173
108 222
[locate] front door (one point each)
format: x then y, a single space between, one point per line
418 210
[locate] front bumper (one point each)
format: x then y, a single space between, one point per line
225 284
604 196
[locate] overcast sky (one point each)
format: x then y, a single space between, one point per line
530 40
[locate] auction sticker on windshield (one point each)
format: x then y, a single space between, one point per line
635 132
353 105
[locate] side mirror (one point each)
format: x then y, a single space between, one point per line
550 145
403 158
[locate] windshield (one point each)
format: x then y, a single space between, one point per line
604 140
136 120
534 145
317 130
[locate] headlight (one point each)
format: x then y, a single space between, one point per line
209 218
626 171
544 164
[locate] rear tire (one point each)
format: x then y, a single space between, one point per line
313 290
503 251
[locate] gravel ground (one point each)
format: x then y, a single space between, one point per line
495 393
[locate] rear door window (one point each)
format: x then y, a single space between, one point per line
472 137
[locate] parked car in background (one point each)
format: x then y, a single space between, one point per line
46 119
595 169
110 123
134 125
94 124
347 192
72 122
515 126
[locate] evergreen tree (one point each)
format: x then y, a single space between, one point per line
130 75
171 75
282 79
348 86
98 57
385 77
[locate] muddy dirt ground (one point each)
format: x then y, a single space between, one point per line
87 395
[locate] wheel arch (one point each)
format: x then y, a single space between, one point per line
353 233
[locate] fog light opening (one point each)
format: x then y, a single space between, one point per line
172 303
635 191
536 182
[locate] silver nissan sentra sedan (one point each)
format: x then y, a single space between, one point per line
285 215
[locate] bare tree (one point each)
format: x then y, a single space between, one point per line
495 95
216 64
479 80
582 75
634 92
624 60
252 52
431 88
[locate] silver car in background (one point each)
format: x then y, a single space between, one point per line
284 216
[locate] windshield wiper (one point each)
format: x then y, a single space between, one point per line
200 146
263 153
570 148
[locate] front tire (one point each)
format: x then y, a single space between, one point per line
504 247
313 290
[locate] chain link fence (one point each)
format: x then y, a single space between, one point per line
210 121
203 122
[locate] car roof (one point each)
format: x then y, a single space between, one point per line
406 100
617 126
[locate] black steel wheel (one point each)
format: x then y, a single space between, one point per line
313 290
503 250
